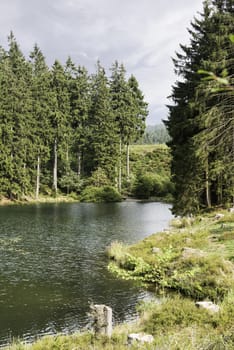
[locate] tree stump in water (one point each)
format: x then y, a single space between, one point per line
102 319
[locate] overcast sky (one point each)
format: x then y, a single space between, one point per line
141 34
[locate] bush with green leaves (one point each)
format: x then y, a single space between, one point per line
152 185
99 178
71 182
100 194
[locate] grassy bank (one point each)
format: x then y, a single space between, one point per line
42 199
193 261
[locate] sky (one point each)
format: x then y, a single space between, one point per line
142 34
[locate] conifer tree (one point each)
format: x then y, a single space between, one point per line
139 112
79 94
193 173
122 105
101 138
41 113
16 117
61 122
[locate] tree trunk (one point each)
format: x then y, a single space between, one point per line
79 164
120 166
116 177
67 168
38 178
55 170
208 198
128 165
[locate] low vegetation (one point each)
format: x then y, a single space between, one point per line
194 258
150 168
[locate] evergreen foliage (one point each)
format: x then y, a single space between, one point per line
155 134
60 125
201 124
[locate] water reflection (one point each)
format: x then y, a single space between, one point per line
53 264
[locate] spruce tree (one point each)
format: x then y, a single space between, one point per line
194 175
101 137
215 140
122 106
61 122
16 105
41 116
79 95
139 112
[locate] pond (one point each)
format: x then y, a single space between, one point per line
53 263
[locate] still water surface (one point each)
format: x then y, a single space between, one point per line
52 263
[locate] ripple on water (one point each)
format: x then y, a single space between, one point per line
53 263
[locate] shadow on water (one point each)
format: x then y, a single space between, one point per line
53 263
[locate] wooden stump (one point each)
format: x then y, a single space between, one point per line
102 319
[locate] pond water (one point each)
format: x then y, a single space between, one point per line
53 264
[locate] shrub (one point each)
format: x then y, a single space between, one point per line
89 194
100 194
151 184
99 178
108 194
71 182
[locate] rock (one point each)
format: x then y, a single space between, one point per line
192 252
231 210
208 305
219 216
140 338
156 250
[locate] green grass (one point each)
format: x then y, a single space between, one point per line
147 148
206 273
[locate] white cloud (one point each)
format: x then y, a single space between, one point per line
141 34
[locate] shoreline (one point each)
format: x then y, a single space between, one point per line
66 199
196 262
30 200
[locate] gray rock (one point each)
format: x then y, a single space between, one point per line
140 338
219 216
188 252
231 210
156 250
208 305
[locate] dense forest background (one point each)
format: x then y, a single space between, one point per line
60 125
63 130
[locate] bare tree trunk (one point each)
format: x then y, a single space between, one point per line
79 164
55 170
232 182
116 177
38 178
67 168
128 167
208 198
120 166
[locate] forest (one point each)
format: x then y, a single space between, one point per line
61 125
63 129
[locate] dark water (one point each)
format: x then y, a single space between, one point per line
52 263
